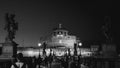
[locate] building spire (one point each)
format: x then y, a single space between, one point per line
60 25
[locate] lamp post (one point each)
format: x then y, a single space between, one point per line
80 44
44 47
39 44
69 52
75 49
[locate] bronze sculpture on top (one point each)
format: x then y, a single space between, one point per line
11 27
109 47
107 30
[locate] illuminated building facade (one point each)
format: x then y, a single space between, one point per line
59 42
61 38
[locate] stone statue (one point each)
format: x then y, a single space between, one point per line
106 28
11 27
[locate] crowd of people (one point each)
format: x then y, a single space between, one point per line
47 62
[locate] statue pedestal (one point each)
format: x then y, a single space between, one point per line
9 49
109 51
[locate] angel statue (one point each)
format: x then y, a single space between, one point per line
11 26
107 29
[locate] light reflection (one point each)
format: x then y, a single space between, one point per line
57 52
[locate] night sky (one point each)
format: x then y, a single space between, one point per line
37 18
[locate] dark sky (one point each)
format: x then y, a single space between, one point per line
37 18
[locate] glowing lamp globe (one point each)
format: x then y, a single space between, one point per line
39 44
80 44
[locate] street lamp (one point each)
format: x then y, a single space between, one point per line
80 44
75 49
39 44
44 47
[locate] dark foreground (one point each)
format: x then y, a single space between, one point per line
64 62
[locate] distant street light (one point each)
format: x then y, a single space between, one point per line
39 44
80 44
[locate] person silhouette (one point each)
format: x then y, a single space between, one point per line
19 62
